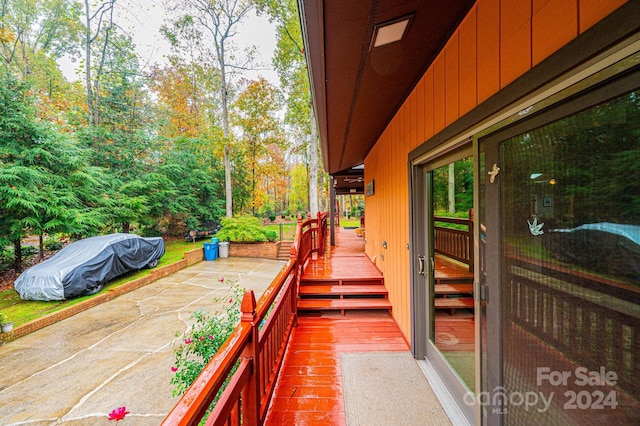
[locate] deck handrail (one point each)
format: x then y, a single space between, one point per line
566 310
455 243
257 345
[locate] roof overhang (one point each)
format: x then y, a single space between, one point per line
357 88
350 181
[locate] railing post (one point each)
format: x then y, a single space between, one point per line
293 255
320 235
251 394
471 242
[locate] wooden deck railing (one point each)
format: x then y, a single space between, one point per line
257 345
566 310
455 243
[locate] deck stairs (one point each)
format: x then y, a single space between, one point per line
284 251
453 292
343 294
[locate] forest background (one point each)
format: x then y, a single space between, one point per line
158 148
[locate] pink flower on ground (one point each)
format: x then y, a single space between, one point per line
230 300
211 337
118 414
174 368
187 341
221 279
201 338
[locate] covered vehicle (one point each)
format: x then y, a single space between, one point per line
85 266
612 248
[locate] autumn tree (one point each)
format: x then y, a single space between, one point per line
255 113
289 61
34 33
217 21
299 191
33 36
98 27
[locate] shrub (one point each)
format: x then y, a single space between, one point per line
204 339
245 229
53 242
271 235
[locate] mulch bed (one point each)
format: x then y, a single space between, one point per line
8 276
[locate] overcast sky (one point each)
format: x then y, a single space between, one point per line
144 18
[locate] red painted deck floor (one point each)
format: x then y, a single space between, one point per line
309 389
344 260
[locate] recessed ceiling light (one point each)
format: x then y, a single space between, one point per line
390 31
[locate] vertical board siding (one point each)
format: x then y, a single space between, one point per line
555 23
592 11
515 40
488 48
438 93
497 42
468 63
451 78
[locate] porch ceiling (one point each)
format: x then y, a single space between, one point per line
357 89
350 181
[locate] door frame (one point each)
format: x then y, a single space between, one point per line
422 235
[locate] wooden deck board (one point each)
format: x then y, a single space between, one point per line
342 289
309 390
453 288
341 304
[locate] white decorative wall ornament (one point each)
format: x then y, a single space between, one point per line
535 227
494 172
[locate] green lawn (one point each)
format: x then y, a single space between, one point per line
22 311
350 223
288 230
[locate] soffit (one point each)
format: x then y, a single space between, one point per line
357 91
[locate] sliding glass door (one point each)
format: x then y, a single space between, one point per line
560 204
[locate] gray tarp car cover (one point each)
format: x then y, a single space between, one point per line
84 266
605 247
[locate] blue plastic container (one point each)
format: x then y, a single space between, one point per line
210 251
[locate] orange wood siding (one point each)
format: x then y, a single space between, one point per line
468 63
555 23
497 42
488 48
515 40
451 78
592 11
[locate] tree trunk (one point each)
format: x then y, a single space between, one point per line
88 63
225 127
40 247
313 166
17 255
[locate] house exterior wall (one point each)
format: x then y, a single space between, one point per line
497 42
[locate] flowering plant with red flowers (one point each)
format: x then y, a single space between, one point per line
203 339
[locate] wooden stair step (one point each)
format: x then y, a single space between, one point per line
284 251
448 279
342 281
334 289
453 302
342 304
454 288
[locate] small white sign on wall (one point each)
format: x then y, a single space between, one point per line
369 188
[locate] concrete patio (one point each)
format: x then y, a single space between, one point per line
76 371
